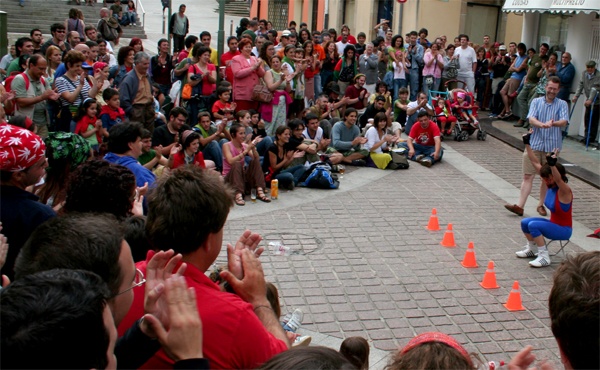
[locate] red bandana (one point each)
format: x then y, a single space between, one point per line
19 148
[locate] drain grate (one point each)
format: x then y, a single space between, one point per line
291 244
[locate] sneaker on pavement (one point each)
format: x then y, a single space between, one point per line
302 341
426 162
295 321
359 163
419 157
527 252
543 260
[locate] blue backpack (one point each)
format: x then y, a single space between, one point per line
319 177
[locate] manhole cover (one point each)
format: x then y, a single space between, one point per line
285 244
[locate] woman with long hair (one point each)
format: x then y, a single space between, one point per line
397 45
54 58
188 152
482 76
312 66
137 45
346 68
331 59
278 159
131 13
75 23
304 36
201 72
267 50
432 69
65 152
378 141
278 81
241 176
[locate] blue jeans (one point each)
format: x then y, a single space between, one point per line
290 176
434 87
318 87
414 83
425 150
326 77
536 226
213 152
398 84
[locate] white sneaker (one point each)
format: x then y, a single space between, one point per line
543 260
302 341
527 252
294 322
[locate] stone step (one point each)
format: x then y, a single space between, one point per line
236 8
43 13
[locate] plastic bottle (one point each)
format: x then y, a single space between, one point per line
274 188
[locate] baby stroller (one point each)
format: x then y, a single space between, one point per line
465 126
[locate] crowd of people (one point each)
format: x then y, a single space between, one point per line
109 255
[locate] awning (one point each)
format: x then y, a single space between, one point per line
553 6
518 6
575 6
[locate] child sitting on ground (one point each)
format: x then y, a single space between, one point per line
356 350
223 106
465 109
444 116
88 124
111 113
433 350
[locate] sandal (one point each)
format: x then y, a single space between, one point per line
260 195
541 211
239 199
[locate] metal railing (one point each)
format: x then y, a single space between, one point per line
139 8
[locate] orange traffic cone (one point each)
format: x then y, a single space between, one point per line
489 279
433 224
448 240
514 299
469 260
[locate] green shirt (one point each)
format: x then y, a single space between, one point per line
146 157
534 67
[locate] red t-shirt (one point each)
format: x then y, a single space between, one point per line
182 55
424 136
207 88
226 61
351 39
234 337
219 106
352 92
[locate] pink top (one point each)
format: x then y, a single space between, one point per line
433 69
234 152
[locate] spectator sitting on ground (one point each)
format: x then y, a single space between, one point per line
98 186
424 144
212 138
574 303
347 140
193 226
382 90
315 133
279 157
21 212
315 357
414 108
401 106
167 136
378 106
125 146
187 152
378 141
304 150
357 95
326 112
433 350
356 350
150 158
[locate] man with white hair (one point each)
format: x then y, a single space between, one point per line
136 92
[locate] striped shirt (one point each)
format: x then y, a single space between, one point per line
547 139
64 84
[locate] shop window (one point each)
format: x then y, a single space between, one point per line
553 31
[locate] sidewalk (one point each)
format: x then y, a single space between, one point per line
579 162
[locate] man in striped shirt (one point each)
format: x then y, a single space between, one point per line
548 116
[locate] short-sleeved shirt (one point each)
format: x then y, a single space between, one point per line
466 58
547 139
424 136
116 9
147 157
162 135
64 84
318 135
352 92
534 67
40 116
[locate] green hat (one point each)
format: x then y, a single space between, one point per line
67 146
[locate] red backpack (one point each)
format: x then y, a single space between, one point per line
7 87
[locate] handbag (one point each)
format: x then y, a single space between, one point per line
186 93
261 93
452 70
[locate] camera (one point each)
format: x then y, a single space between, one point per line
195 77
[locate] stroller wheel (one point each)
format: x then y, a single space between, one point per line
483 135
464 135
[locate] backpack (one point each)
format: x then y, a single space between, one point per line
8 83
109 33
319 177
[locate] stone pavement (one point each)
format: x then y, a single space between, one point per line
362 262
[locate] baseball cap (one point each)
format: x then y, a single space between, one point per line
286 33
502 47
590 63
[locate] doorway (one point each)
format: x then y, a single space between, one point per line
482 20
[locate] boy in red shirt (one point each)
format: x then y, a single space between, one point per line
424 144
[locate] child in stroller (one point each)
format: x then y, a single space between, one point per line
444 116
465 109
466 112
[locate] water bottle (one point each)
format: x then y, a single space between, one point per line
274 188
